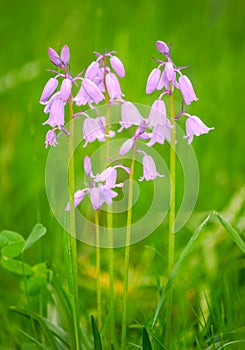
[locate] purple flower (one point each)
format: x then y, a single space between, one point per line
187 90
92 70
130 116
157 114
160 133
101 186
57 114
65 89
113 86
162 47
118 66
65 55
51 139
194 126
92 90
153 80
92 130
54 57
48 90
95 128
170 71
149 168
126 147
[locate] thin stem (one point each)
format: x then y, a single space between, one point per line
109 218
171 235
71 239
98 280
127 252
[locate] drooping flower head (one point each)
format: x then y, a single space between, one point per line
100 188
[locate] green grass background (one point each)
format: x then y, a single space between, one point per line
207 35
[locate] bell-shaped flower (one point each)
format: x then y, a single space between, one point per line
92 70
78 197
157 114
160 133
118 66
187 90
194 126
65 55
50 102
170 72
51 139
149 168
93 130
126 147
101 186
162 47
65 89
54 57
48 90
130 116
153 80
57 114
92 90
113 86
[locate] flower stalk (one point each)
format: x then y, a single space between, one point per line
171 234
98 271
127 251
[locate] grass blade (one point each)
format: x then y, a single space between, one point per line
33 339
234 235
146 340
96 335
178 266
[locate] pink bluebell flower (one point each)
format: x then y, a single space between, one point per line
101 186
187 90
149 168
194 126
163 48
57 113
153 80
48 90
95 129
51 139
113 87
129 116
65 89
117 66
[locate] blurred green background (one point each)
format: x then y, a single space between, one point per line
207 35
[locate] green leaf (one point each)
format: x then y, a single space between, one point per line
96 335
146 340
232 232
13 249
37 281
16 266
51 331
33 339
7 237
37 232
177 267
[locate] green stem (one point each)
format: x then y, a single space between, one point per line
127 252
71 238
109 218
98 281
171 234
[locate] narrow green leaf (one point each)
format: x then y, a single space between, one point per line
54 331
16 266
177 267
33 339
13 249
37 232
96 335
232 232
146 340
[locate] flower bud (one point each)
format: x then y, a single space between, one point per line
48 89
118 66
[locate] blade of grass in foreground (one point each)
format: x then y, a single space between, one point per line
178 266
232 232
